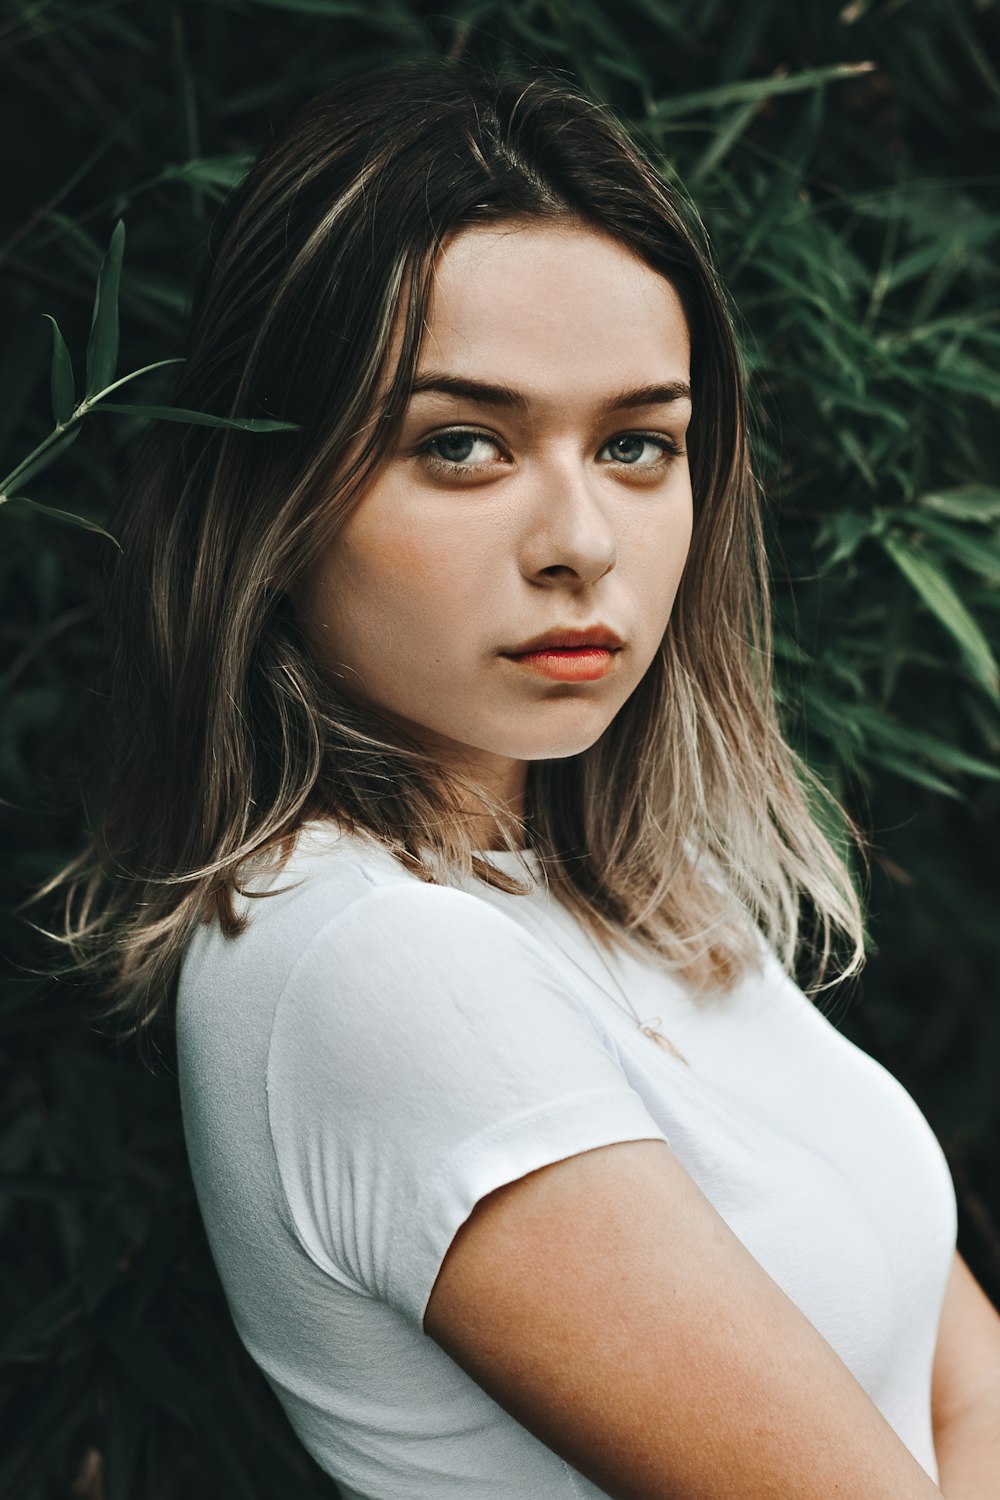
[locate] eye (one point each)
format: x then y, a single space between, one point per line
459 451
627 448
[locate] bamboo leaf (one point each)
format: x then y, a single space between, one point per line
906 739
969 502
724 141
63 389
847 530
979 553
102 347
218 173
198 418
833 395
754 90
980 383
63 515
941 599
915 773
951 757
91 402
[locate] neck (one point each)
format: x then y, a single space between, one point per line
504 782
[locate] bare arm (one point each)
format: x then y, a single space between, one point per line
606 1306
966 1391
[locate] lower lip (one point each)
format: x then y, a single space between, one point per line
585 664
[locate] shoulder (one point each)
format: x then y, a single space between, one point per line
347 894
341 907
428 961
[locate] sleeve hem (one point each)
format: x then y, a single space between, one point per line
500 1155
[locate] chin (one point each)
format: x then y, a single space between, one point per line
557 747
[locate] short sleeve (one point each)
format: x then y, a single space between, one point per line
423 1053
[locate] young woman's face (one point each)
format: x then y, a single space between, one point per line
540 485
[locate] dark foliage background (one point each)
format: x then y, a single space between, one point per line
845 164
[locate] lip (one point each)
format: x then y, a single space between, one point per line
569 639
569 655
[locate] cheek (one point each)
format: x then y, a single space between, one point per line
659 552
389 586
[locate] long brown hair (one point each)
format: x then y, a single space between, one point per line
687 817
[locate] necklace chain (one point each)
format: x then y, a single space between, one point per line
648 1028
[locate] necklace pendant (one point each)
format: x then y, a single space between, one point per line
665 1043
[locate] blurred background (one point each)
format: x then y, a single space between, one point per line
844 162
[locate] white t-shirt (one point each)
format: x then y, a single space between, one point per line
375 1054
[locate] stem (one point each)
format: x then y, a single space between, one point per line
89 401
57 432
79 412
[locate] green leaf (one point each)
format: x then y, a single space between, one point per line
829 394
102 347
941 599
198 418
900 738
915 773
847 529
91 402
63 515
724 141
969 502
979 382
951 757
978 552
220 173
747 90
63 389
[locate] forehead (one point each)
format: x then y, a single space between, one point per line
555 309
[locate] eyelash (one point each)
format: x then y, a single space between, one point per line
449 466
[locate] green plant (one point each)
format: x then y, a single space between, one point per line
102 365
843 163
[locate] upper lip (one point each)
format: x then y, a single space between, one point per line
568 637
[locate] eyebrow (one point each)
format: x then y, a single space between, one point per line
486 394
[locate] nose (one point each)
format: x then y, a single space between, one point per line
569 536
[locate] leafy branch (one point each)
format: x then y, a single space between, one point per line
102 365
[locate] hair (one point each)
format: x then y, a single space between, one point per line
689 823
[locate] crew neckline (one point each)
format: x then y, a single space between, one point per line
510 861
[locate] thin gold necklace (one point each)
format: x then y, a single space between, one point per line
648 1028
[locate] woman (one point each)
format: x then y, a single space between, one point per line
450 786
